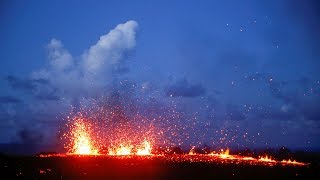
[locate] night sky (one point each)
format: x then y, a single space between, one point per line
246 71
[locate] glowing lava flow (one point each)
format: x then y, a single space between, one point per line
226 157
81 141
294 162
223 154
144 149
121 150
267 159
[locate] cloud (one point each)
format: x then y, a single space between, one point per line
95 68
234 113
88 75
30 136
25 84
309 107
282 113
38 88
277 91
60 58
182 88
110 50
291 100
19 84
50 97
65 80
9 100
300 98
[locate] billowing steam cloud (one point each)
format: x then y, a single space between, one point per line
66 80
93 70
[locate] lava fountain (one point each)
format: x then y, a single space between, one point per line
145 149
81 141
87 138
121 150
128 149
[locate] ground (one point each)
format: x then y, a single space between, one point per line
135 167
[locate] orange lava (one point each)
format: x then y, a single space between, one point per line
128 149
294 162
145 149
81 140
192 151
121 150
267 159
223 157
223 154
194 158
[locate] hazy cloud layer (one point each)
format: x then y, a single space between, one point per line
182 88
9 100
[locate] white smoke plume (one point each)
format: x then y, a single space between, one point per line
93 69
64 81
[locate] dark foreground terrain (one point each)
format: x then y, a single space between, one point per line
133 167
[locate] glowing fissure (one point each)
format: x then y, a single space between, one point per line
261 159
144 149
121 150
81 141
266 159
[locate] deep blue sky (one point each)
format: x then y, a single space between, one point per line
241 66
